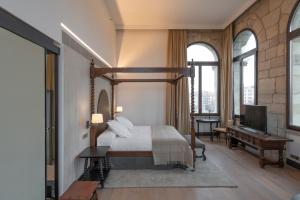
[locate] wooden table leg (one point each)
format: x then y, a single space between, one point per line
262 158
198 129
86 164
280 158
211 133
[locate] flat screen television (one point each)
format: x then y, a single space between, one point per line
255 117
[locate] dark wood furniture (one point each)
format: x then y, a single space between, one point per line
209 121
81 190
108 74
260 141
96 164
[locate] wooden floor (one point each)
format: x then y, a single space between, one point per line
254 183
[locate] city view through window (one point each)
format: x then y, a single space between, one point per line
206 78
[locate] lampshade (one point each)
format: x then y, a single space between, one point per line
97 118
119 109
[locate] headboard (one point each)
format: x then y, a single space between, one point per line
103 107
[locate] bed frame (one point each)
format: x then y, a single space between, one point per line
108 110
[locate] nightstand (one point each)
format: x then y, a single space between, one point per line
96 164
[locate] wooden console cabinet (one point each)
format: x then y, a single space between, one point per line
259 141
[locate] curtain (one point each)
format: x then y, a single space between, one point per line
226 76
177 57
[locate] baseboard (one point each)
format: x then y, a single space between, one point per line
292 163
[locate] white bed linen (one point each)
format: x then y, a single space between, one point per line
140 140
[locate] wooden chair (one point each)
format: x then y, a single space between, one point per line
222 130
81 190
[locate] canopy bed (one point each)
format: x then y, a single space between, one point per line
145 141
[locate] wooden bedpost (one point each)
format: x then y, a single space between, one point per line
175 103
92 99
112 100
193 135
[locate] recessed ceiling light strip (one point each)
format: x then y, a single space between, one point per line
84 44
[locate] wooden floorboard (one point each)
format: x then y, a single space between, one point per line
271 183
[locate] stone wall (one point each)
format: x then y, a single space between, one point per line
268 19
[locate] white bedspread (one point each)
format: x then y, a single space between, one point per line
140 140
169 146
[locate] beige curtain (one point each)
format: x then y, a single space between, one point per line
226 76
177 57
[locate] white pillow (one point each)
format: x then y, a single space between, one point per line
119 129
126 122
106 138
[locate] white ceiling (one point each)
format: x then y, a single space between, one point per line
175 14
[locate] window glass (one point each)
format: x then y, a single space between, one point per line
295 82
295 23
206 78
201 52
249 80
244 42
209 83
236 87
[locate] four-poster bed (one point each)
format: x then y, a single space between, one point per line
108 73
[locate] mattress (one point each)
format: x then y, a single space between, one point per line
140 140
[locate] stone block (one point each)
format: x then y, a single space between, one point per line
262 74
265 99
272 31
279 98
281 49
264 45
277 108
287 6
272 18
266 86
261 9
271 53
283 23
274 4
281 121
277 61
280 85
264 65
278 71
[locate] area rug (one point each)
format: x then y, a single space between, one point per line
206 175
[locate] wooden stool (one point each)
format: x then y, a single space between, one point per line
81 190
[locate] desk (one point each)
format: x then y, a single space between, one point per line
99 165
210 121
260 141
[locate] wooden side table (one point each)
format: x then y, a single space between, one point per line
96 164
210 121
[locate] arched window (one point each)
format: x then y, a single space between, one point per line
206 63
293 69
244 70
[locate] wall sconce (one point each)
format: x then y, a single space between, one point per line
119 109
96 119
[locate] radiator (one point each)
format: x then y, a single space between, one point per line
293 148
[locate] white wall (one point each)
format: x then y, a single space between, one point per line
88 19
76 111
143 103
22 118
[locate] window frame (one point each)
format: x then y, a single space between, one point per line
201 64
290 36
239 59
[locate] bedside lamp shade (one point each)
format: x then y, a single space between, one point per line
97 118
119 109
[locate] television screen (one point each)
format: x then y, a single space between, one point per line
255 117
